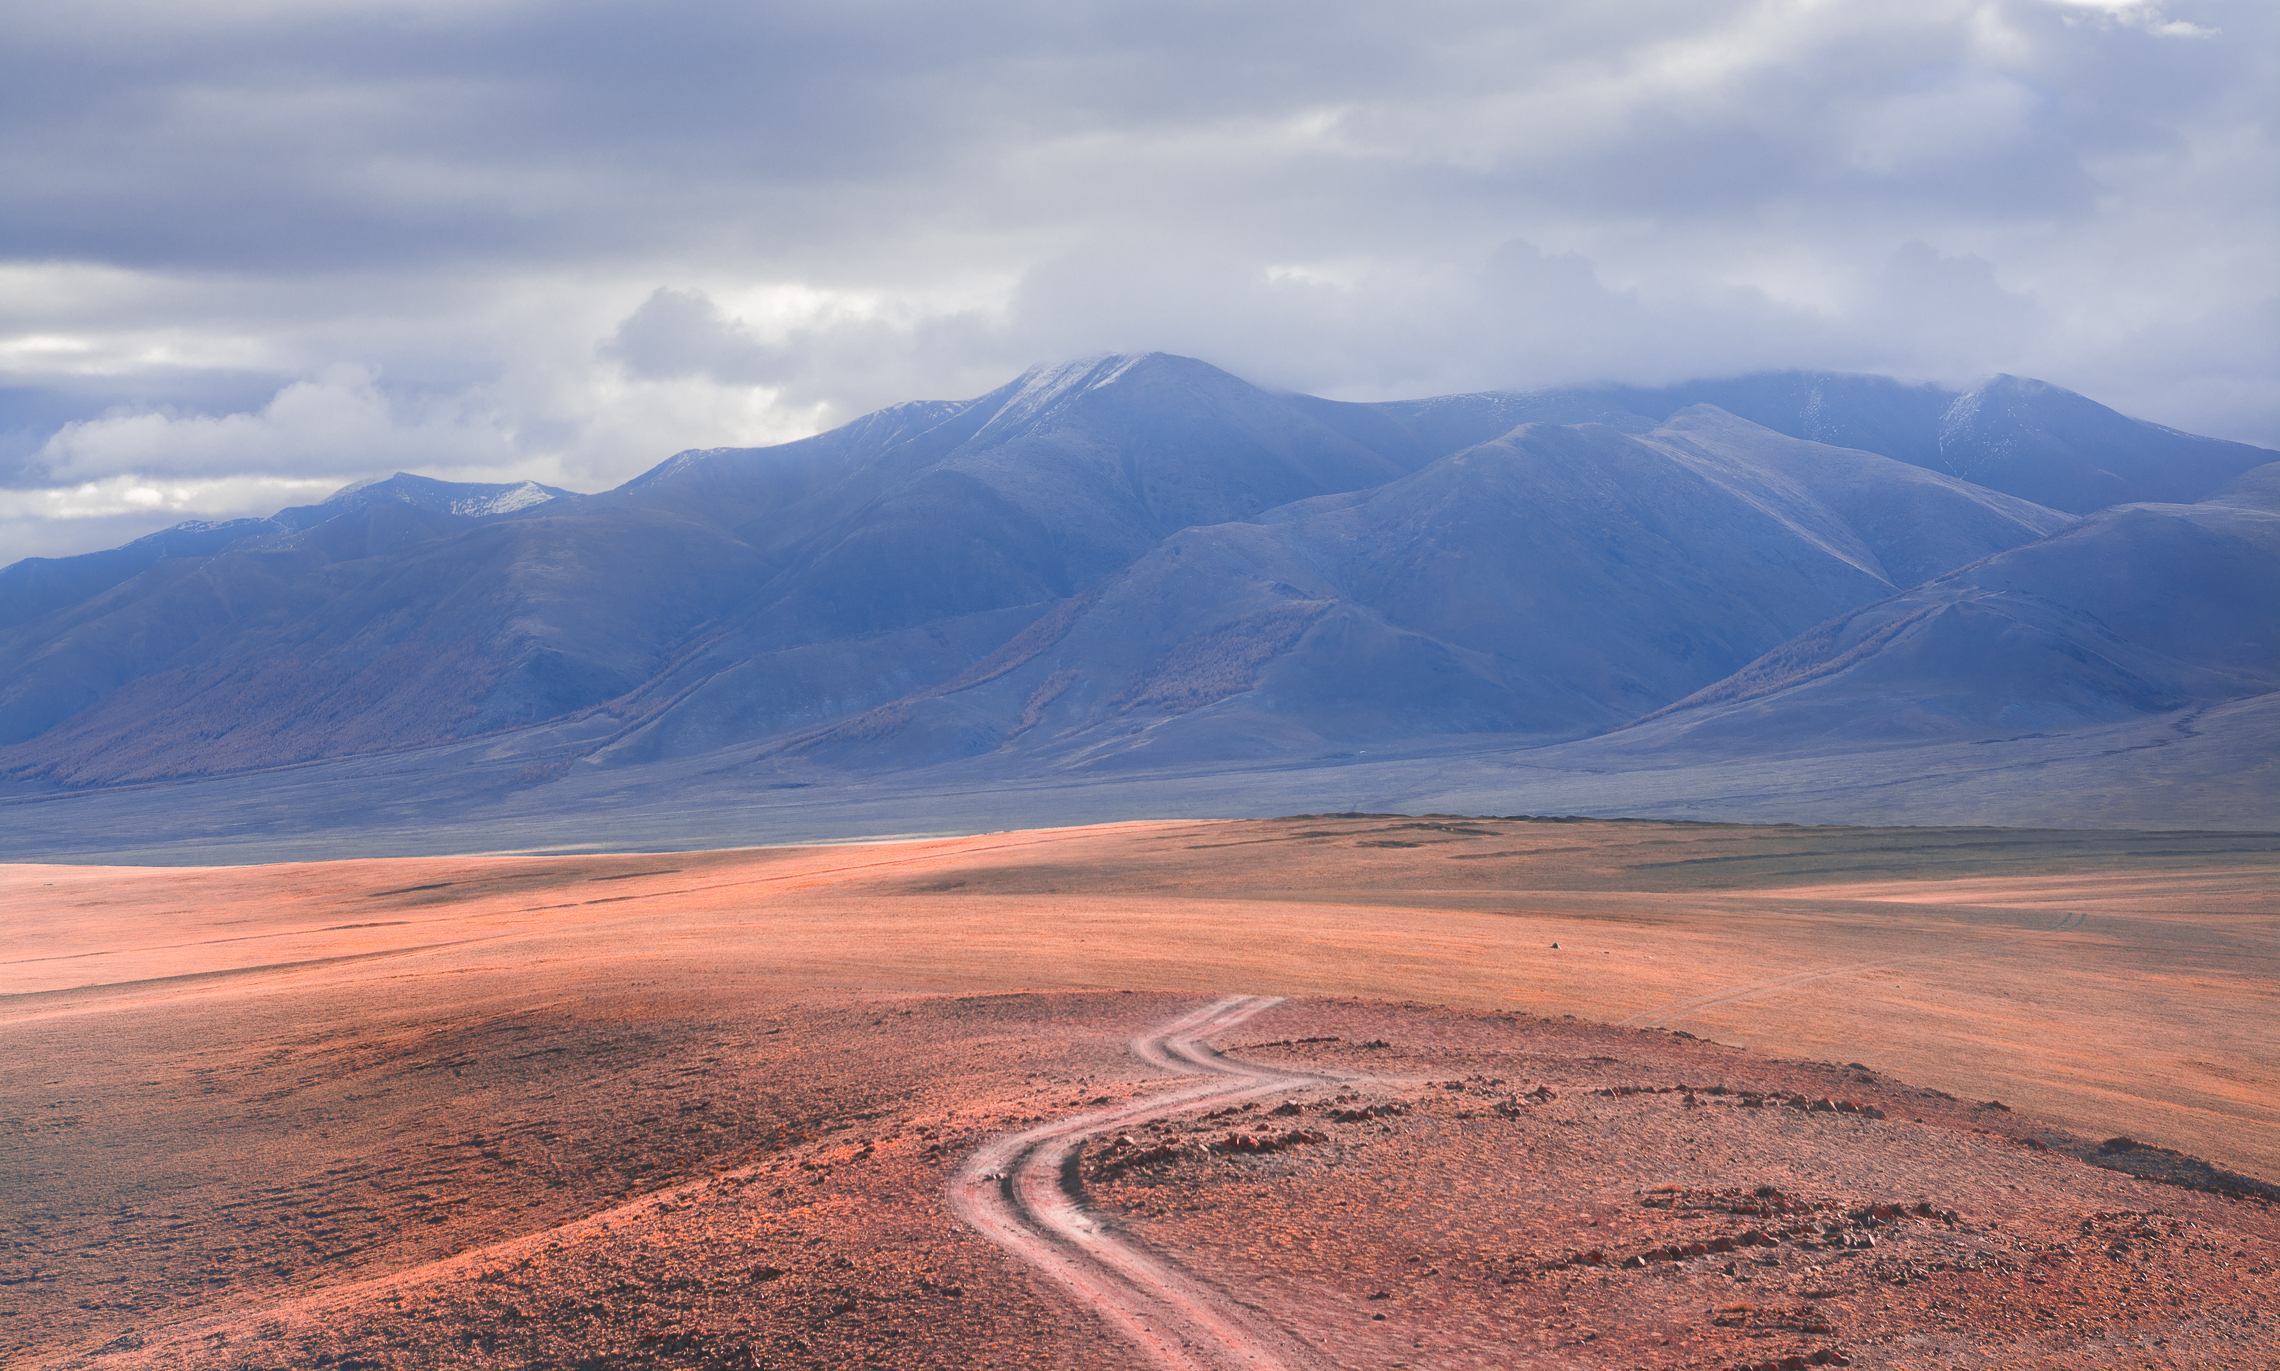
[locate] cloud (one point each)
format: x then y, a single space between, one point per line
496 239
59 521
2138 14
1950 315
339 422
136 496
678 334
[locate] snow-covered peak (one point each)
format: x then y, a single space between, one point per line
506 501
1045 388
470 499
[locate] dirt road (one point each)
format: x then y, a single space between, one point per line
1018 1192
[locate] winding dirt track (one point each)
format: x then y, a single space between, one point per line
1019 1192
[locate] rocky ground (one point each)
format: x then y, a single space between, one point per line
639 1181
1544 1192
643 1181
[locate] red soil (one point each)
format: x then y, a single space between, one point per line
701 1110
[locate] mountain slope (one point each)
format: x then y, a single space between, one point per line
37 586
2137 610
252 659
1557 581
1102 563
2014 435
391 616
1915 523
1024 495
904 551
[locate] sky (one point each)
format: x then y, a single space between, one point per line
252 250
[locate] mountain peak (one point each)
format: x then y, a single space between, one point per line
475 500
1196 527
2004 383
1045 389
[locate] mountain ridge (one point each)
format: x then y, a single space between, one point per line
1100 551
1254 607
2139 609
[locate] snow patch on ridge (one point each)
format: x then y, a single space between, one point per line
470 499
507 501
1044 388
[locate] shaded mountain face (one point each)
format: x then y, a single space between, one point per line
251 659
1025 495
416 612
2138 609
899 551
40 585
1554 582
2053 446
1099 564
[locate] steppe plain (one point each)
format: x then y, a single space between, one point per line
702 1109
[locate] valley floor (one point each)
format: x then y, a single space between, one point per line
2215 767
701 1109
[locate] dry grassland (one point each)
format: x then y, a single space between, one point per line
2115 983
223 1087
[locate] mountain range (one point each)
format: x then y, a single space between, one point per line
1143 565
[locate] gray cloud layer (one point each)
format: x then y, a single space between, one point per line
256 248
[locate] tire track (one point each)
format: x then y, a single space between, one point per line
1019 1192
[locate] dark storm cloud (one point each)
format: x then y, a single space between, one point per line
338 137
561 240
312 136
